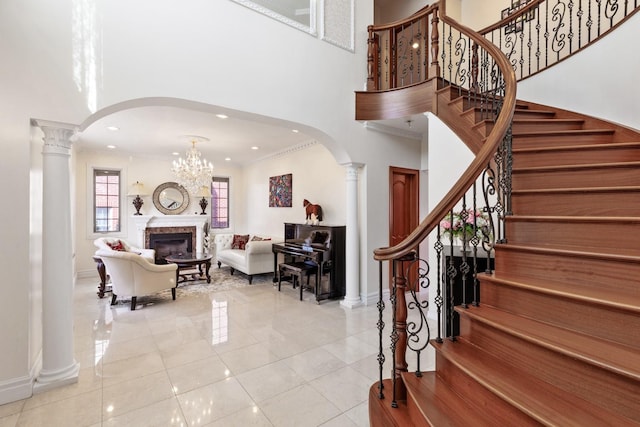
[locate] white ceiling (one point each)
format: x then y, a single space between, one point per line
159 131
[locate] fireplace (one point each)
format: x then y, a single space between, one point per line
169 241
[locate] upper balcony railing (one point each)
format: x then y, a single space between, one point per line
536 34
533 34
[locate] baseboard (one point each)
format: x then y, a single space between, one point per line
372 298
87 274
16 389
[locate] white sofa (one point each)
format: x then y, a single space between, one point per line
255 258
106 244
132 275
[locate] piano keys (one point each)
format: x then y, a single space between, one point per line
322 244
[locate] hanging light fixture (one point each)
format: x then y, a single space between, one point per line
194 172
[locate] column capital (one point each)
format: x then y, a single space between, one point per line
58 136
352 170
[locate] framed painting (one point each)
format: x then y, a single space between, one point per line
280 194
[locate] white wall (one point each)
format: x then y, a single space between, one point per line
600 81
316 177
480 14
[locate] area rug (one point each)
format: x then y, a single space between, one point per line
221 280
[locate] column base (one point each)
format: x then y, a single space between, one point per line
48 380
351 302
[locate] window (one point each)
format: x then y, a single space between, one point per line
106 200
220 202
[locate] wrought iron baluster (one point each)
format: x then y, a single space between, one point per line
380 326
439 300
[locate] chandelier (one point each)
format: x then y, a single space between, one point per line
194 172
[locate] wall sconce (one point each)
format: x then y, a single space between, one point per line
204 192
137 190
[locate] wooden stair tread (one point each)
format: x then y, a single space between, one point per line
604 354
612 145
617 257
384 413
573 219
632 188
540 400
576 132
576 167
439 404
620 300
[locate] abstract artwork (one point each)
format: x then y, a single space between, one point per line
280 191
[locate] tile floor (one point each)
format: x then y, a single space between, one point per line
246 356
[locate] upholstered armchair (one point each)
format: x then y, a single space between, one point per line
115 244
132 275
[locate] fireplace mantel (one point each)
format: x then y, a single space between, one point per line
144 221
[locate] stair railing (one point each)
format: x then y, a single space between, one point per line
471 67
536 34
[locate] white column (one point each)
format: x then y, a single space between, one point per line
352 297
58 363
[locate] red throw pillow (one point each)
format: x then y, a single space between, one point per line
116 246
239 241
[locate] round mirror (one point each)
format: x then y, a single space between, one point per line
170 198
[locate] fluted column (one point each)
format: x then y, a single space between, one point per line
59 366
352 297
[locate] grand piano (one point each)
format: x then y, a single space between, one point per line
323 245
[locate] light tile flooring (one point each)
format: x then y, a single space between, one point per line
246 356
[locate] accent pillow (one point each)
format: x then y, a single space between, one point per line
259 239
239 241
116 246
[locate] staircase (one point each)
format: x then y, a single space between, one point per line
556 337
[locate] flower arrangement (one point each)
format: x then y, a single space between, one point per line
461 224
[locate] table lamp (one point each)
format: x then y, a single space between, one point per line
204 192
137 190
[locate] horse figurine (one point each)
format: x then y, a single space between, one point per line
314 212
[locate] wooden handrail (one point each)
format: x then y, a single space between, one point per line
425 11
481 160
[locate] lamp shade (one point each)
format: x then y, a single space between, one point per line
137 189
204 191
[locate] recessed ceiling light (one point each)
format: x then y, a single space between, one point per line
113 128
111 147
228 159
175 153
295 130
222 116
254 148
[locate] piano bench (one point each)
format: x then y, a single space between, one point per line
297 270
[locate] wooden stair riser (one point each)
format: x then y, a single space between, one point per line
601 153
619 326
576 203
381 414
580 177
469 389
606 236
528 114
538 125
596 274
592 383
540 140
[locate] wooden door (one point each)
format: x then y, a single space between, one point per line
404 194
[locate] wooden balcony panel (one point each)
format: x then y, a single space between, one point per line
396 103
